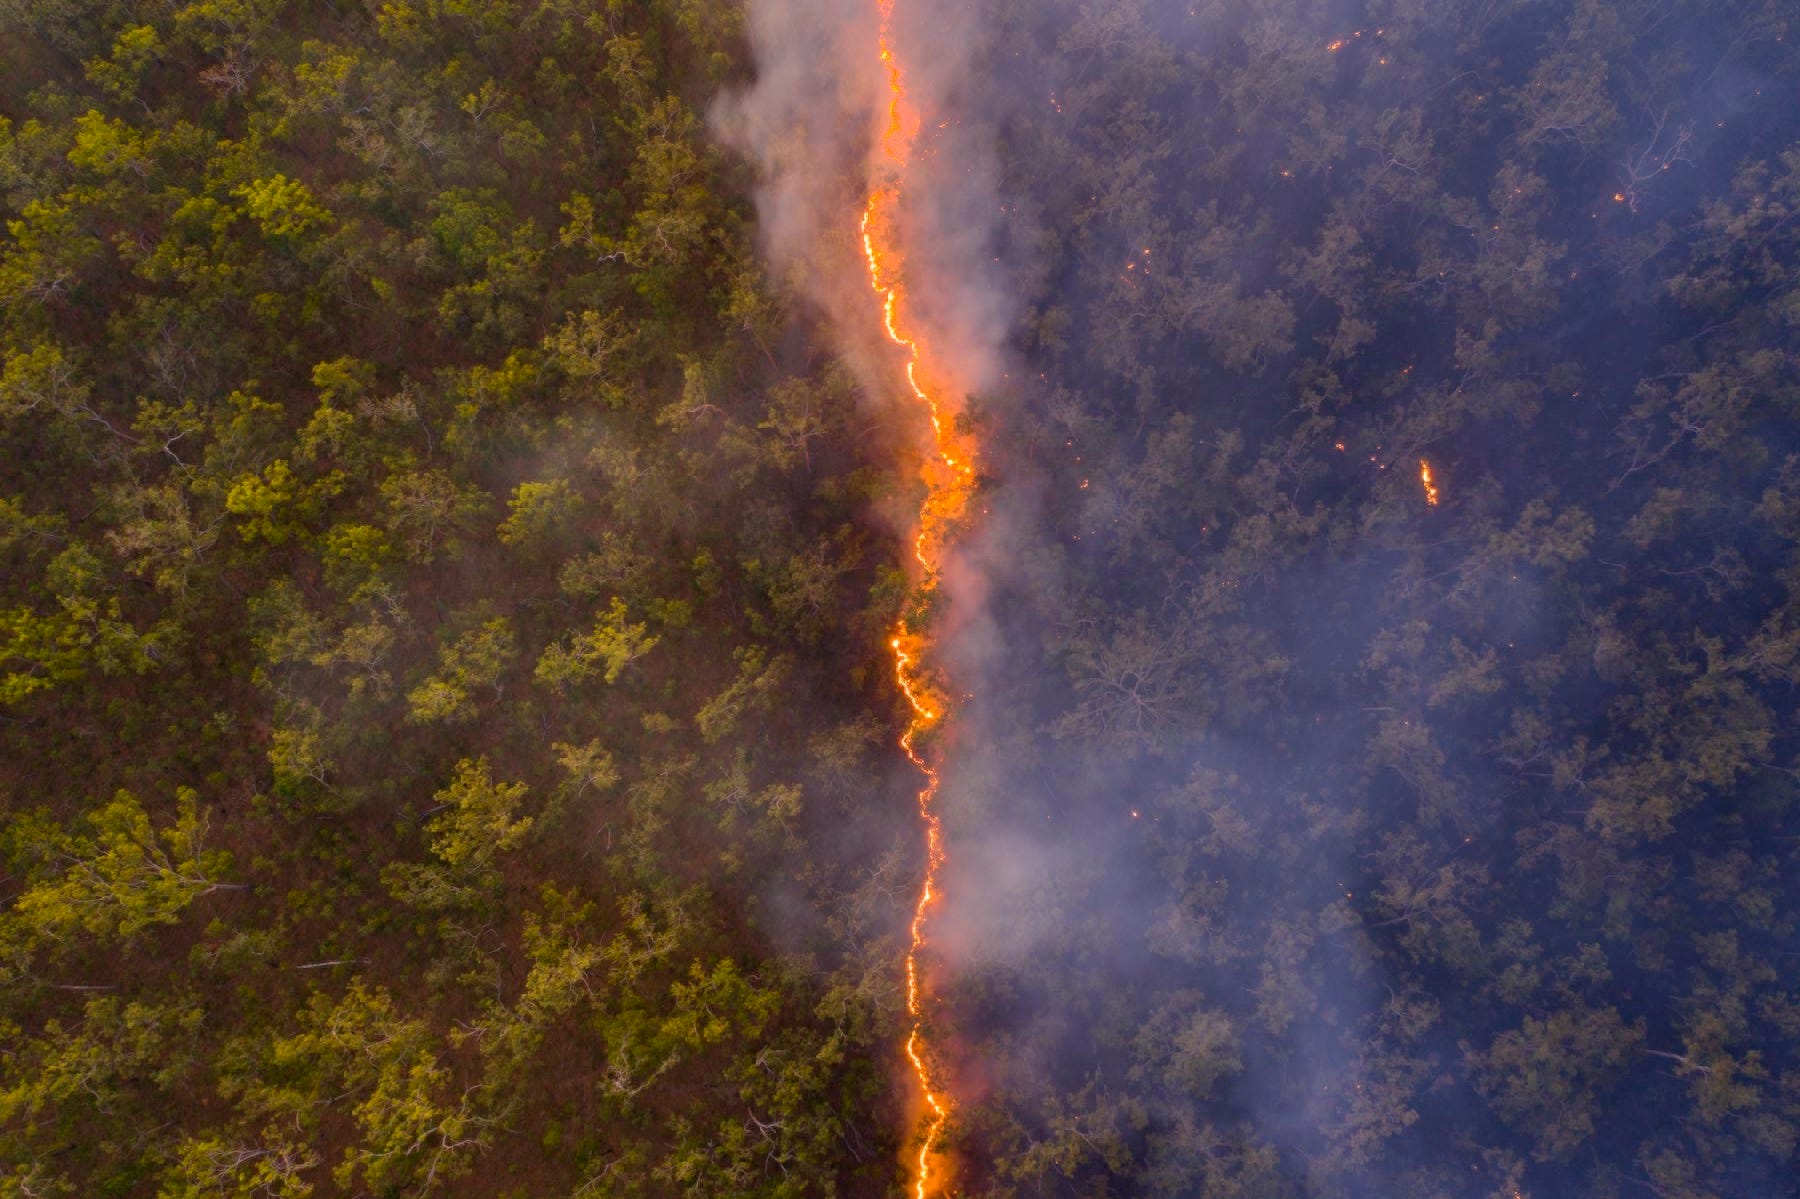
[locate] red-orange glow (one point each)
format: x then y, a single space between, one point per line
1431 491
1340 43
949 477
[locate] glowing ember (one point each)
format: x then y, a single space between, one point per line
1431 491
949 484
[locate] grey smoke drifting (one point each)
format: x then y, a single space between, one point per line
810 125
1275 845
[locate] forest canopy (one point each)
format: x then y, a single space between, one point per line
447 738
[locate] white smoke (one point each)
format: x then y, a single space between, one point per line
809 124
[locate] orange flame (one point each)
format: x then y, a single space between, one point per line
949 477
1431 491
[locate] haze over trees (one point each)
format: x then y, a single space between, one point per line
446 743
1451 845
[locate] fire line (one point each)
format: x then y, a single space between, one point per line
949 476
